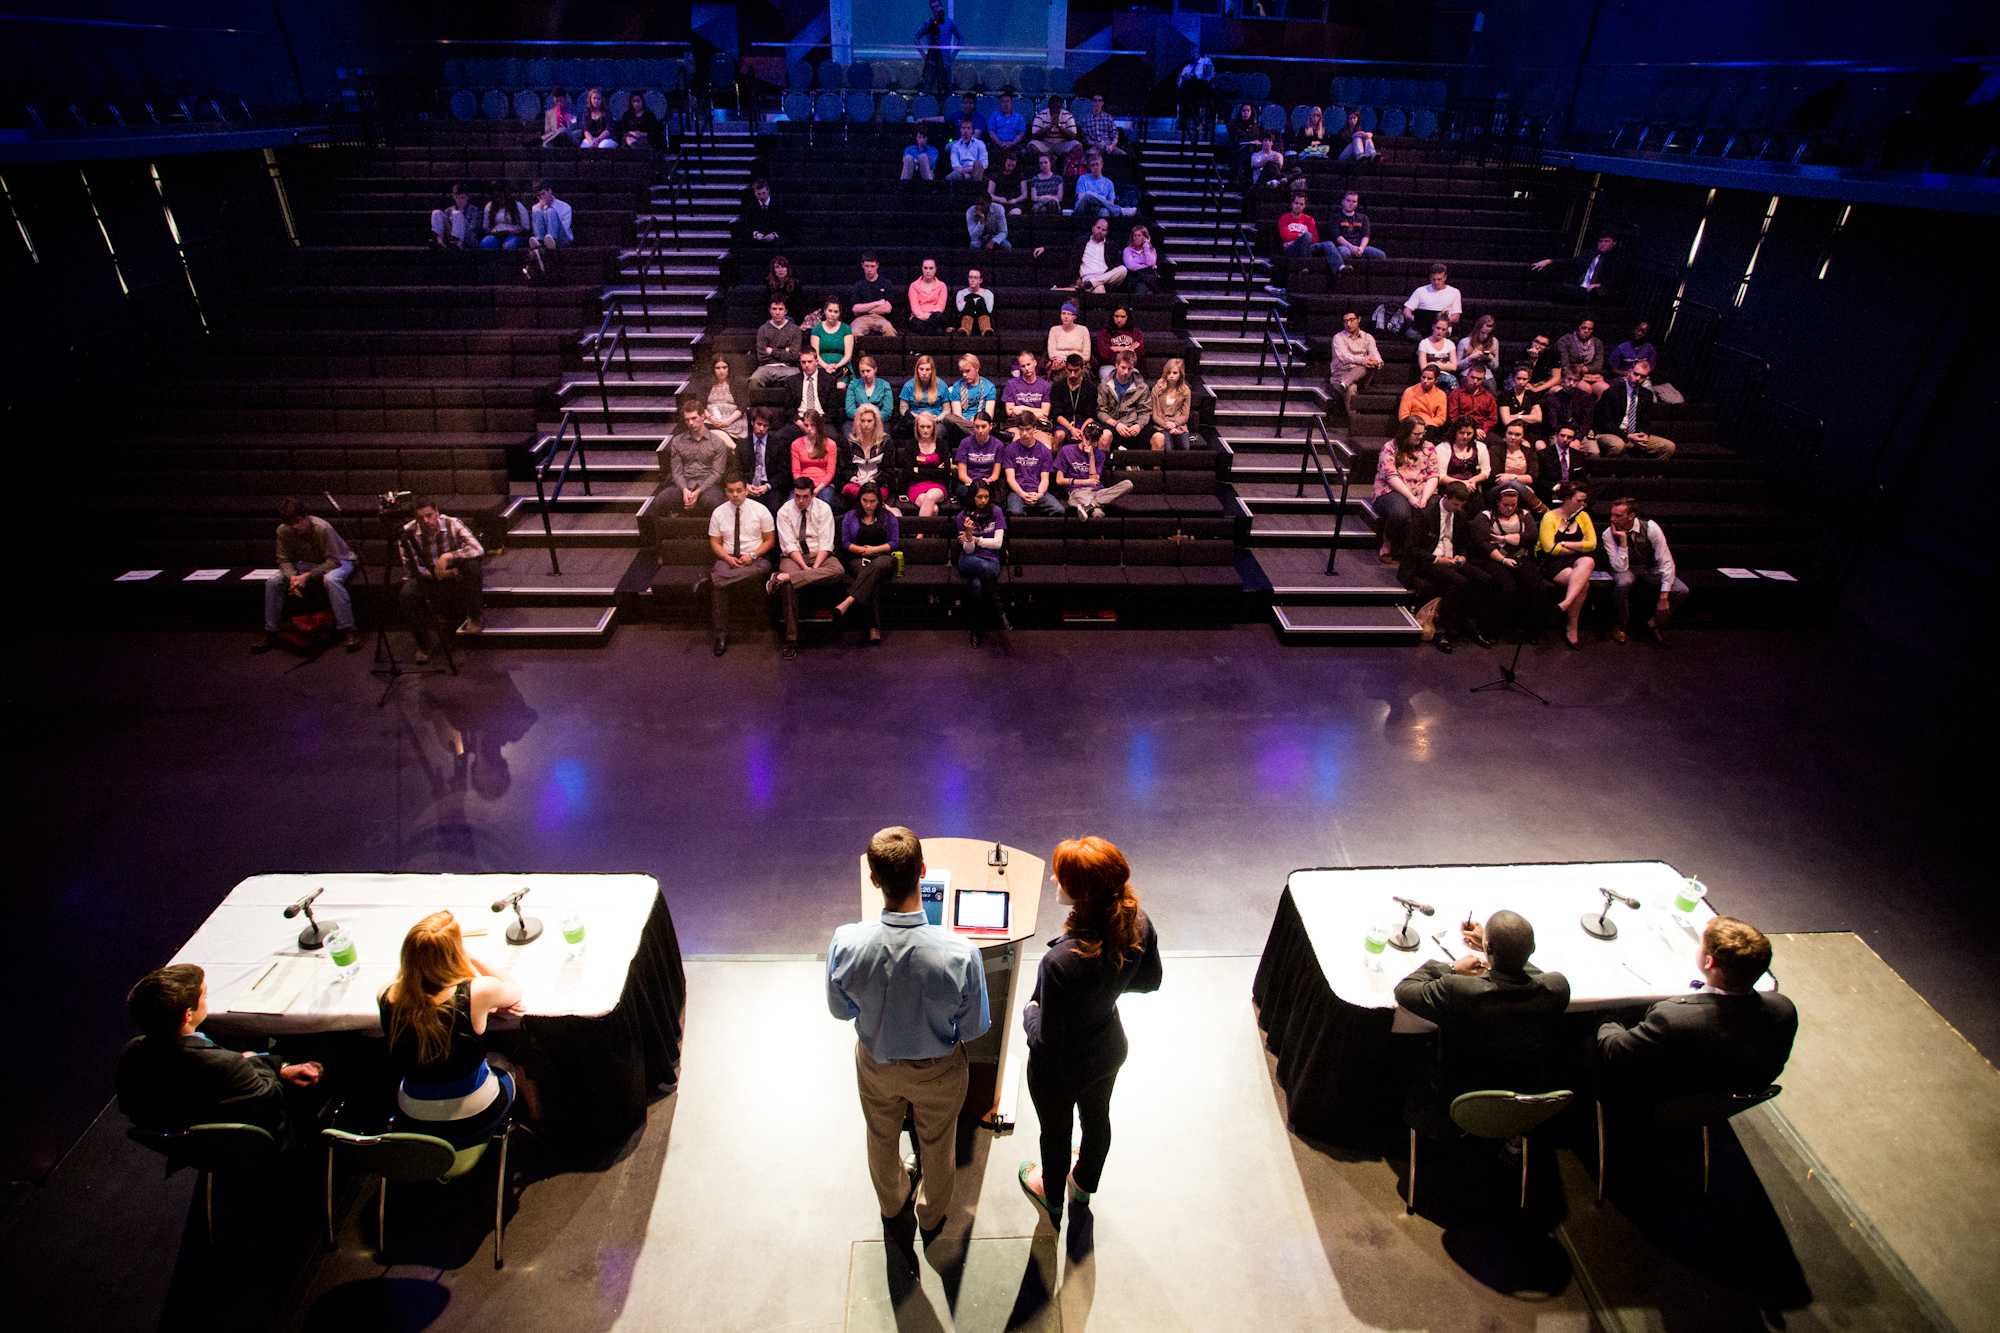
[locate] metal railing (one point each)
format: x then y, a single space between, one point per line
544 497
1310 458
1242 260
1284 353
600 355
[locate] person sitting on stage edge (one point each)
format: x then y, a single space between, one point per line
741 533
171 1076
308 548
1076 1042
805 543
440 564
1498 1017
1728 1037
915 994
435 1014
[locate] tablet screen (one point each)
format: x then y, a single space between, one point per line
982 909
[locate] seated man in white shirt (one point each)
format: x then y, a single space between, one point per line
1436 297
741 533
967 155
805 543
1642 571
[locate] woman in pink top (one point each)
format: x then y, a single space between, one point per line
1406 478
816 454
1142 263
928 298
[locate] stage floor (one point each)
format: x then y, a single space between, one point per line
745 1205
1806 781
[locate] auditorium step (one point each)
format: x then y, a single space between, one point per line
579 526
1298 576
520 576
515 626
1350 625
1305 528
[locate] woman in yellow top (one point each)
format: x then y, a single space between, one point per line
1568 544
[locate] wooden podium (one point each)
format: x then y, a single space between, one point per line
992 1090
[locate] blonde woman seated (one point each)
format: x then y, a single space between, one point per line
435 1014
927 465
1173 404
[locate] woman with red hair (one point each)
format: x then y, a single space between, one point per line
434 1014
1075 1042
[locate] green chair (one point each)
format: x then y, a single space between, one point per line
1698 1110
1494 1114
415 1159
210 1150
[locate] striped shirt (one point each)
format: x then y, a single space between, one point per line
421 548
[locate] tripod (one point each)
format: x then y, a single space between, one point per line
392 516
1510 676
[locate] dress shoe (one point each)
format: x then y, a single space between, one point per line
1572 644
789 652
1618 635
721 644
1480 639
471 627
874 636
264 645
1442 643
351 642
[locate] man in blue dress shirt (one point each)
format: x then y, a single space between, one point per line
916 992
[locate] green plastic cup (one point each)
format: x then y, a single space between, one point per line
1375 941
1690 896
343 953
572 930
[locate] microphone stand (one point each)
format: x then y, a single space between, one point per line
1405 939
1601 926
1510 678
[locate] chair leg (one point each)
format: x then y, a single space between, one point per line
329 1198
208 1204
1600 1152
1524 1171
1704 1159
500 1202
382 1220
1410 1201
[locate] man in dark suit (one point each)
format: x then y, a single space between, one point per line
813 391
171 1076
760 221
1438 562
764 461
1727 1037
1595 275
1623 415
1498 1016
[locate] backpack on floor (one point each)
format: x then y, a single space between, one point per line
307 634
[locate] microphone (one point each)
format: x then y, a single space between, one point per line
526 929
1601 926
997 858
316 932
1405 939
335 503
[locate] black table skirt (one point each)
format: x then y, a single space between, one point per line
1342 1074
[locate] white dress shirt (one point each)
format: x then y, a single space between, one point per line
1428 297
755 521
1618 551
818 526
1445 522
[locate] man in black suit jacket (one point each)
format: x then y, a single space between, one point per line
1594 275
767 443
760 221
1433 566
1498 1017
172 1076
814 385
1631 397
1728 1037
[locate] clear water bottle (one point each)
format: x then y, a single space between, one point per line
345 957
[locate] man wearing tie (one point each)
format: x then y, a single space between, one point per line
1590 276
741 533
816 393
1623 413
805 543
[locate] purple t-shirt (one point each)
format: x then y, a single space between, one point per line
994 520
978 458
1031 462
1072 463
1020 393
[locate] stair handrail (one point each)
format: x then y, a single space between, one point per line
1242 260
1310 457
1280 349
599 355
574 429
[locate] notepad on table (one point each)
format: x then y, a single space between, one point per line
137 576
279 987
1778 574
205 576
1730 571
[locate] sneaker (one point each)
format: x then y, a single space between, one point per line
789 652
351 641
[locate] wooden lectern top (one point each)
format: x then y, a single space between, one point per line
966 859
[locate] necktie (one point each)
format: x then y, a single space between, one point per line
738 549
805 540
1589 273
1631 418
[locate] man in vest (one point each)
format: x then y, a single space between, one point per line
1642 571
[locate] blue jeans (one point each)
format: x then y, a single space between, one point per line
1048 504
1357 252
1305 249
337 595
981 572
1392 519
511 241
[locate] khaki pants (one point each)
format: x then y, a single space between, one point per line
1653 446
933 1092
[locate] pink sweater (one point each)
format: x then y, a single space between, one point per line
933 302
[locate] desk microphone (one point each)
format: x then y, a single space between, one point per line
1405 939
1600 926
526 929
997 858
316 932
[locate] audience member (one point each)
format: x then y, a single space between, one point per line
920 157
1267 165
1502 542
1195 94
1054 131
1568 546
442 574
1436 297
816 456
1173 406
1298 240
458 224
1025 398
1544 365
760 222
1067 338
1517 467
507 221
777 348
1045 187
1565 461
1008 188
172 1076
805 544
1100 131
1498 1016
558 121
929 296
780 284
1406 481
915 993
741 533
1028 467
309 551
1424 401
725 397
695 458
1480 348
871 303
967 155
1520 403
639 127
1621 416
1246 136
937 43
764 461
1352 235
1592 274
976 461
833 339
1313 139
969 397
922 394
1435 565
1581 356
1727 1037
866 459
986 226
1473 401
1355 359
926 464
1125 402
867 388
1638 347
594 127
1075 1042
982 533
1096 193
814 391
1356 144
1120 335
1081 468
1642 571
1093 255
870 532
1571 406
968 110
975 304
551 219
1439 353
1464 458
1141 263
1073 400
1006 128
435 1014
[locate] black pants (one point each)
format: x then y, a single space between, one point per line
1454 588
421 599
1059 1102
1519 594
864 584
